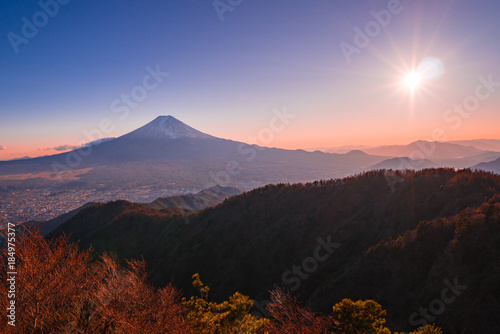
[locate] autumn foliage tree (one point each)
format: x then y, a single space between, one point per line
288 316
53 282
362 316
61 290
126 303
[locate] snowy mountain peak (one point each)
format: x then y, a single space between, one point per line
166 127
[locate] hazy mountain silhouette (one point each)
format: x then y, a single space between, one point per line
170 154
422 149
404 163
201 200
457 154
482 144
167 151
493 166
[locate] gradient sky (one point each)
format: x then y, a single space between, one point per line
226 77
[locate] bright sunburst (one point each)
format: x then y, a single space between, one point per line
430 69
412 80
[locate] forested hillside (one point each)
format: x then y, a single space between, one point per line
391 237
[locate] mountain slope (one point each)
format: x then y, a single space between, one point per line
467 162
404 163
264 237
493 166
50 225
203 199
165 127
426 150
450 267
172 204
482 144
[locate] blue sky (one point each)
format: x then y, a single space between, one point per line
226 77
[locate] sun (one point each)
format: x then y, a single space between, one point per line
412 80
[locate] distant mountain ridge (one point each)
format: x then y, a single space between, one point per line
201 200
482 144
425 149
492 166
173 204
425 154
404 163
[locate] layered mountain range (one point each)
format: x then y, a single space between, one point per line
167 157
167 151
183 204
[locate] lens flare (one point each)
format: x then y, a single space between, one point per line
430 69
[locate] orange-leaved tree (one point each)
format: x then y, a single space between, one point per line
59 289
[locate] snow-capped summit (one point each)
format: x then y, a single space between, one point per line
166 127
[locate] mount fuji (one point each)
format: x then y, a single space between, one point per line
166 151
165 127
